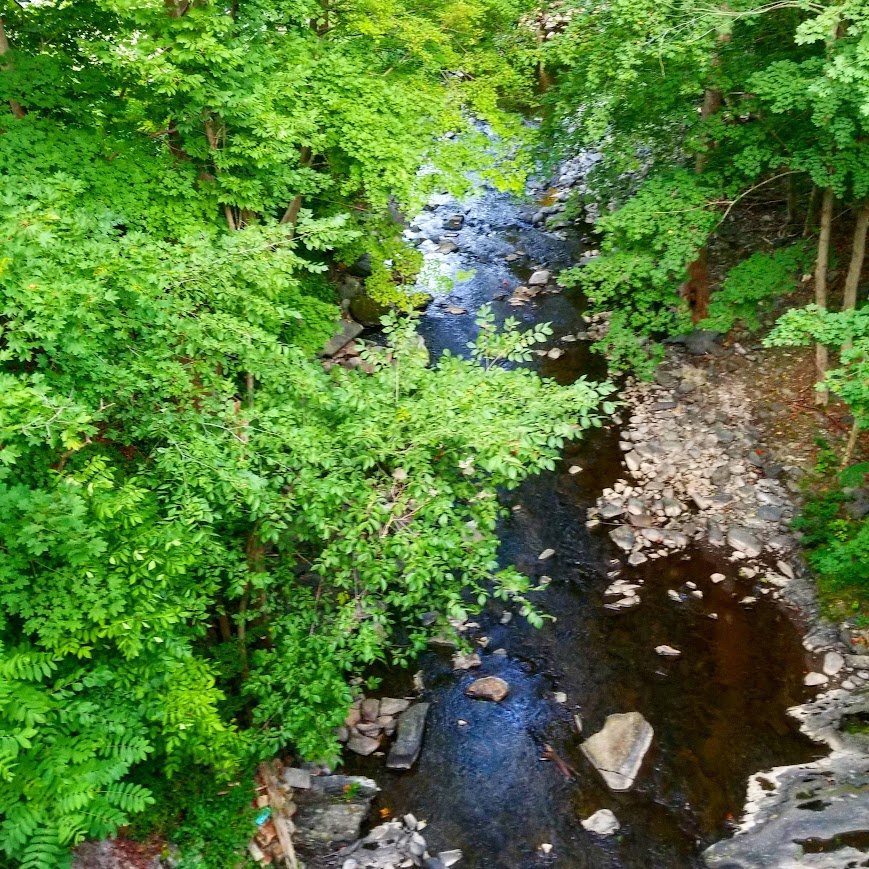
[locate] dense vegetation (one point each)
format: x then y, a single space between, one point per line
204 533
696 109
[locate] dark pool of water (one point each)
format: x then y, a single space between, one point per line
718 711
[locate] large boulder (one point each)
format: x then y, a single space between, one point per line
617 751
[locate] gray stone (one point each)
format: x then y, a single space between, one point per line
488 688
611 510
411 727
602 822
833 662
743 540
633 460
539 278
297 778
769 513
347 330
623 537
814 679
466 662
450 858
617 751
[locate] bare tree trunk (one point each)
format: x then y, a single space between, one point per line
291 215
809 225
696 289
850 446
821 354
14 106
858 255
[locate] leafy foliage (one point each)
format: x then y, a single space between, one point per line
752 286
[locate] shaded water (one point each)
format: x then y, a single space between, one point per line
718 711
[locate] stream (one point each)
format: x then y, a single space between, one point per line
718 711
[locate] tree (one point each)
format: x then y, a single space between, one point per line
204 533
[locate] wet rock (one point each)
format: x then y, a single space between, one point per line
333 810
743 540
814 679
466 662
411 728
539 278
602 822
667 651
617 751
546 555
488 688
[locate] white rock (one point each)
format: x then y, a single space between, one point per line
602 822
667 651
546 554
617 751
833 662
813 679
718 577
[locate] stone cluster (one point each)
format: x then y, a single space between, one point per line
695 471
397 843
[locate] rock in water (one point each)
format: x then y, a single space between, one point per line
667 651
488 688
411 726
603 822
617 751
539 278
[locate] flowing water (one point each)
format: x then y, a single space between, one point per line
718 711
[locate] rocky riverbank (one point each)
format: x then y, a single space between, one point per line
698 473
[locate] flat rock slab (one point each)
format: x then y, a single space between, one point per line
347 330
488 688
411 727
792 808
617 751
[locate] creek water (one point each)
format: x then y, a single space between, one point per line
718 711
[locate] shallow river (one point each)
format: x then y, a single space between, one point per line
718 711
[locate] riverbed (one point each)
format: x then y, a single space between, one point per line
718 710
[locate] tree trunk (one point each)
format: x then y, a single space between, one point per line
14 106
821 354
850 445
696 289
858 255
291 215
809 225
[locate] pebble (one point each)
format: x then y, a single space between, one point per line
717 577
546 555
813 679
667 651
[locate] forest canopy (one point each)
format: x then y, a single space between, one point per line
204 533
